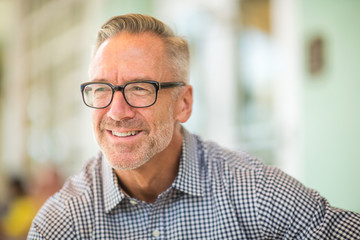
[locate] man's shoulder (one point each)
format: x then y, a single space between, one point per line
242 167
216 154
82 183
77 189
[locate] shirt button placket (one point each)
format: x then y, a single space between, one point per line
156 220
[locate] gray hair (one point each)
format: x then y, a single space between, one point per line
177 48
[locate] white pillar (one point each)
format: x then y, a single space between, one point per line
287 93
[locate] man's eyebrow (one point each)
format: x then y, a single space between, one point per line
126 81
99 80
146 78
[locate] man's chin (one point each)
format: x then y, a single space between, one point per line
128 161
121 166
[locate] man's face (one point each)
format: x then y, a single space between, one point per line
129 137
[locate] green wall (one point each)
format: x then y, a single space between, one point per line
331 102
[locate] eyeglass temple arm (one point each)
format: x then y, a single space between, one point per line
171 84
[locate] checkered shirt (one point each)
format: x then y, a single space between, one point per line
218 194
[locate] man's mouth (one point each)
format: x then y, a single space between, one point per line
125 134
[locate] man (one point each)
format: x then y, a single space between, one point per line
155 180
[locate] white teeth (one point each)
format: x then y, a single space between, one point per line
125 134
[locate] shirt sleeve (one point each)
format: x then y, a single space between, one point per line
53 221
288 210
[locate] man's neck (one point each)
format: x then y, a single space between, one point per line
155 176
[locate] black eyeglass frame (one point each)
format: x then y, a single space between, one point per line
121 88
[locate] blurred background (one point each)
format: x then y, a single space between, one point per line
277 78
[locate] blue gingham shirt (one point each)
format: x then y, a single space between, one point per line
218 194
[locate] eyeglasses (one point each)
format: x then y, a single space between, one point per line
139 94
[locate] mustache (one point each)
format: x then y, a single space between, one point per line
126 123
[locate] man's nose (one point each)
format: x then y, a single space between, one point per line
119 109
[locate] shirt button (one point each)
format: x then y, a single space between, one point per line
133 202
156 233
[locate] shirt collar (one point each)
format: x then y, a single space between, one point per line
189 179
111 188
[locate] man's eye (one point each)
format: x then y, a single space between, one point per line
140 90
100 89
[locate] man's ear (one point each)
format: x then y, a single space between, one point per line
184 104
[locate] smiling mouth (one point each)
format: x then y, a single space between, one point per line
125 134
